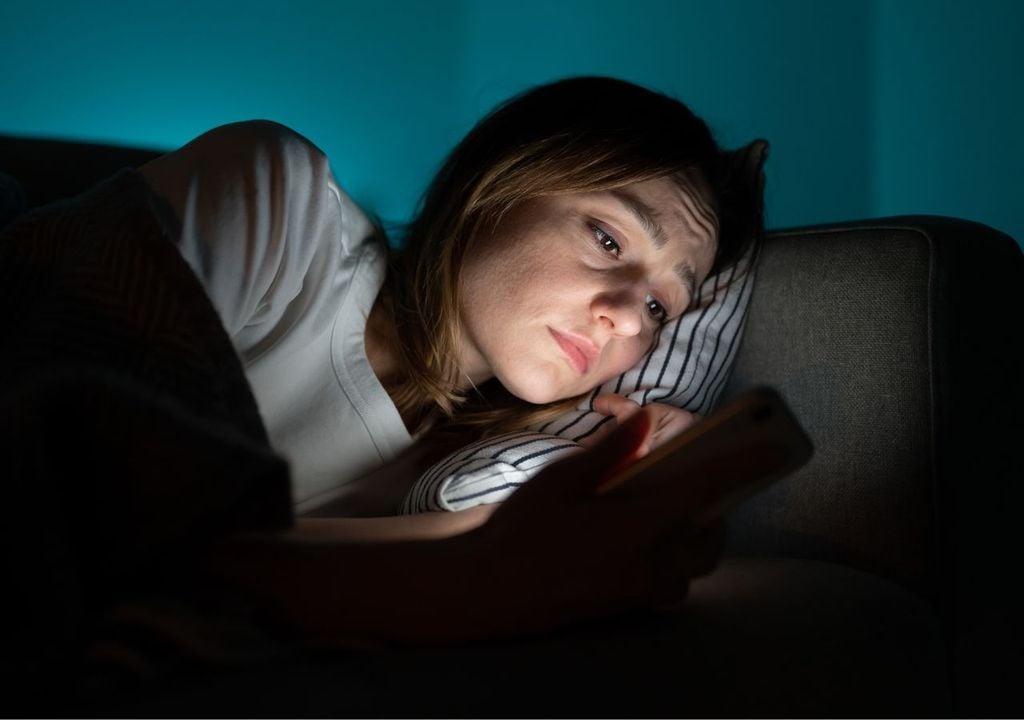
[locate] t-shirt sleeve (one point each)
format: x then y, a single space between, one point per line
251 205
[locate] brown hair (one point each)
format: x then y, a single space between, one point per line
581 134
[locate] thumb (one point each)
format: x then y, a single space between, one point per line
620 448
621 407
579 475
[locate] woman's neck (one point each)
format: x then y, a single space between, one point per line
379 342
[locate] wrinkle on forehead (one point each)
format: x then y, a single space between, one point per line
692 211
647 216
687 276
682 201
700 217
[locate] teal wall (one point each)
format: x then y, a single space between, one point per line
872 106
949 123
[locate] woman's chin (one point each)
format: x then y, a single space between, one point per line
534 397
540 393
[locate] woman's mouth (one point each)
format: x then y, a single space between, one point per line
580 352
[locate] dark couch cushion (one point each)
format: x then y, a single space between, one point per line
12 199
48 169
757 638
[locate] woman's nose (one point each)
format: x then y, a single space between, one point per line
620 313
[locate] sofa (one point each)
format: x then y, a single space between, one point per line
876 580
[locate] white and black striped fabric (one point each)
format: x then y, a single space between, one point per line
687 368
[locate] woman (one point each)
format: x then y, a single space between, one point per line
555 240
548 251
558 236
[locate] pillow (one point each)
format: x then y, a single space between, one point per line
688 367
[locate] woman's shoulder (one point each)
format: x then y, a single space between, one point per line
256 210
301 169
267 140
286 177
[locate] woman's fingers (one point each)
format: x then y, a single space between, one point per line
577 476
611 404
668 420
566 547
617 407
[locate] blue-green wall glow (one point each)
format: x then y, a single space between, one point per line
872 106
950 110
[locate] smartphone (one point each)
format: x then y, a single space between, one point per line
741 448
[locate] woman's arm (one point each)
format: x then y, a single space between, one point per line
252 209
342 592
553 553
423 526
379 493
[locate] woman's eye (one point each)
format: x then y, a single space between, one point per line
605 241
656 310
610 245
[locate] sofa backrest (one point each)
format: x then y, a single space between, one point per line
49 169
862 327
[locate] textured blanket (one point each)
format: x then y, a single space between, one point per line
129 437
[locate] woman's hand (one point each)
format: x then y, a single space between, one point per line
667 421
556 551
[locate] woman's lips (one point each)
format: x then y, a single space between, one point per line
579 351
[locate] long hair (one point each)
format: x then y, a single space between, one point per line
583 134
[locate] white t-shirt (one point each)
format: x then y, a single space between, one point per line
293 266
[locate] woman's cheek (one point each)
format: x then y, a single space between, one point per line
627 354
539 384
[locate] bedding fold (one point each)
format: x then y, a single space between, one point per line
131 440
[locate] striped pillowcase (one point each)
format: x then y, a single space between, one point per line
688 368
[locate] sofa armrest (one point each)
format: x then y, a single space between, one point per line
897 342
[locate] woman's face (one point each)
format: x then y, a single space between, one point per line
571 289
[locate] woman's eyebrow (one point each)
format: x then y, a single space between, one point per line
688 276
648 219
645 215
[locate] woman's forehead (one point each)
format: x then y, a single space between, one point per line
679 204
679 221
672 214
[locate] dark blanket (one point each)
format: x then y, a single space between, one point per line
130 440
